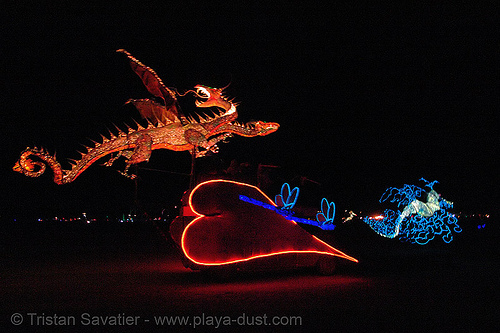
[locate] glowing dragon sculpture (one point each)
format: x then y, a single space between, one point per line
167 128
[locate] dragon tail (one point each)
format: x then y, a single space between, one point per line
33 161
35 168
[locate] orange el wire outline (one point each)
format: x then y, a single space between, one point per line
339 254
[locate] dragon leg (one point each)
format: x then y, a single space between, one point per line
141 153
125 172
213 142
197 139
113 159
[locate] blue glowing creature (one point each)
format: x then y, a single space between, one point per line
287 198
327 213
419 222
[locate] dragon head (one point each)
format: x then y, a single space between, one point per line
213 97
209 97
265 128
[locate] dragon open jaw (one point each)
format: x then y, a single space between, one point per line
213 97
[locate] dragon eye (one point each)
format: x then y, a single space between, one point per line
203 92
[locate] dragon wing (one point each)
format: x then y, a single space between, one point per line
156 87
154 111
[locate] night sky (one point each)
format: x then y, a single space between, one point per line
367 97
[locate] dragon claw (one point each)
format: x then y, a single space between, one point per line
129 176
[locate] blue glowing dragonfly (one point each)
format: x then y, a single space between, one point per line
287 199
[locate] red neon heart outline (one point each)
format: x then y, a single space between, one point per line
328 250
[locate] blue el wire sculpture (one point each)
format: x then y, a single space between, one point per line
327 213
286 200
419 222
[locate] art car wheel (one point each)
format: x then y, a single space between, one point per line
326 265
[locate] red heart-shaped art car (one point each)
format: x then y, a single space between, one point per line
228 230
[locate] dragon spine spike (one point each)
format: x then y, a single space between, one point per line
129 129
112 136
86 148
139 126
120 132
94 142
